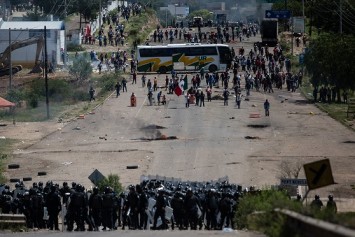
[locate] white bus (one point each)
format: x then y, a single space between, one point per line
161 58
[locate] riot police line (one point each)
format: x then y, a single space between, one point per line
153 204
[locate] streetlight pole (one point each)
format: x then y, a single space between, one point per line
175 19
166 17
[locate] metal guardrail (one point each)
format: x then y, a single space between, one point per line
310 227
16 219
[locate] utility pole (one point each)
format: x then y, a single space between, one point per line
46 70
311 19
65 38
100 16
10 61
304 18
285 19
166 18
341 16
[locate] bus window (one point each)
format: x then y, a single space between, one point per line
180 51
224 55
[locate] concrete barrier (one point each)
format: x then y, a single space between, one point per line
310 227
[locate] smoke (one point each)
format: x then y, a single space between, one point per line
248 11
150 131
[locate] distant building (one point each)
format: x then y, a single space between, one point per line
21 30
178 11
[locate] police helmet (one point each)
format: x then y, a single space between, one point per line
78 188
53 188
107 190
316 197
330 197
96 190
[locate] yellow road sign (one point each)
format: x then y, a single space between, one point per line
318 174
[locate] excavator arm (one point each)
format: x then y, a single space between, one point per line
4 57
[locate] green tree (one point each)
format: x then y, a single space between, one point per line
204 13
265 201
293 5
325 15
165 17
81 68
113 181
329 61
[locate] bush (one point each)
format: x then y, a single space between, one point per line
80 95
107 82
81 68
75 48
15 95
265 201
113 181
32 100
58 90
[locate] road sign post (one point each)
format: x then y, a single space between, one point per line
279 14
96 177
318 174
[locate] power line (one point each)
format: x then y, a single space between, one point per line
324 9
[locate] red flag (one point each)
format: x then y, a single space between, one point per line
178 90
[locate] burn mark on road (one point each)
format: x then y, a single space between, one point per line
233 163
258 125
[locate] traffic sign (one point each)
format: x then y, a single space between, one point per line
294 182
96 177
279 14
318 174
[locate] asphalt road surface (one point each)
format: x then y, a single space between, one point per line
211 140
211 143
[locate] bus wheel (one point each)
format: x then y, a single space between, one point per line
212 68
163 69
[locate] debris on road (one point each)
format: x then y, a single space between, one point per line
251 137
258 125
254 116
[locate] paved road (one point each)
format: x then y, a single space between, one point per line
211 141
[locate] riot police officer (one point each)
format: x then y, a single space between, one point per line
95 206
54 206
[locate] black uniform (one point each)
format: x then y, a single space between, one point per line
160 210
53 205
177 204
107 209
133 202
95 206
191 206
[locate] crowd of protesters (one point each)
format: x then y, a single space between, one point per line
224 34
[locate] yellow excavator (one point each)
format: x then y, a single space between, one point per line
4 57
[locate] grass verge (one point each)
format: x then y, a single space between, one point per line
336 111
255 211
